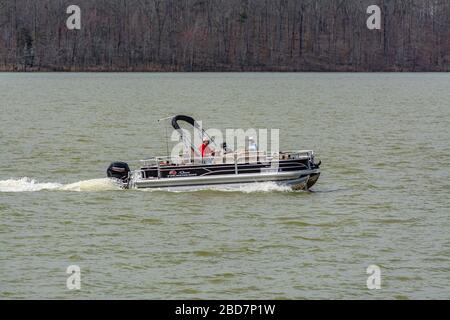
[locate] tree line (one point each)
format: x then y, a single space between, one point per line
225 35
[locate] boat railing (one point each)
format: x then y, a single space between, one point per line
297 154
182 160
231 157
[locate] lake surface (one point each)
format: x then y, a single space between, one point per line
382 198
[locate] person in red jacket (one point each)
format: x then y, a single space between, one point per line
205 150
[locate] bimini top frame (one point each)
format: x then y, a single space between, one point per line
186 140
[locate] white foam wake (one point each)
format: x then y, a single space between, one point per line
245 188
103 184
257 187
264 187
30 185
26 185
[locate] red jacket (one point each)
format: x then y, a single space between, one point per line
205 150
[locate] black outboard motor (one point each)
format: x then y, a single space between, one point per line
119 170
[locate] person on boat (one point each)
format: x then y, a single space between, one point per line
225 148
205 150
252 146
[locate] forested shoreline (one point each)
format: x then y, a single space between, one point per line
225 35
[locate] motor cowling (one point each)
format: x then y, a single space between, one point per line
119 170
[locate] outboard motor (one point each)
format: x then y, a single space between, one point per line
119 170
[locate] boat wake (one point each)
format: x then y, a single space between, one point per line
244 188
258 187
105 184
30 185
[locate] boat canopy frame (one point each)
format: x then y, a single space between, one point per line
191 121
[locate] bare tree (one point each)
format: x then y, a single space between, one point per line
197 35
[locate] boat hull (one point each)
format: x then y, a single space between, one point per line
297 180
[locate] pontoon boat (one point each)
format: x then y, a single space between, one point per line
296 169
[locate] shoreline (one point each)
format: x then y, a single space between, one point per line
219 70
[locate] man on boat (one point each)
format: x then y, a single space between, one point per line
205 150
252 146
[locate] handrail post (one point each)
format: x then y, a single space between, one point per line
159 168
235 164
